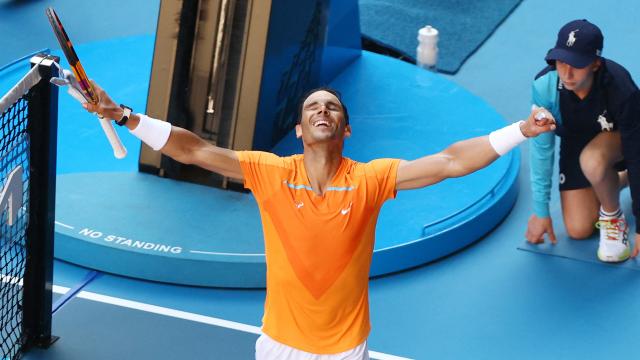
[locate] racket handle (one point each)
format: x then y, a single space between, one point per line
119 151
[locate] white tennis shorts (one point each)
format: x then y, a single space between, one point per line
269 349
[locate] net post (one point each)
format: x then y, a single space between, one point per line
38 277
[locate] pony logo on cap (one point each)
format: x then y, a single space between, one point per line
572 38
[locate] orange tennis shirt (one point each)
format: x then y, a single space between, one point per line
318 248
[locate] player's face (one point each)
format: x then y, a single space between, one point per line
322 119
576 79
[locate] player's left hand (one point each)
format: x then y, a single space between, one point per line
539 121
636 246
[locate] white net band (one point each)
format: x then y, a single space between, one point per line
21 88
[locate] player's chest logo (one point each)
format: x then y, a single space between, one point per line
346 210
343 210
604 124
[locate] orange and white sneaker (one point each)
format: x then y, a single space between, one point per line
614 239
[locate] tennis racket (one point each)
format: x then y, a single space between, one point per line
119 151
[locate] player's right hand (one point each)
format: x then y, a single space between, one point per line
537 227
105 107
540 120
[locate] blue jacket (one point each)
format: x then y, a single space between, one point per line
544 93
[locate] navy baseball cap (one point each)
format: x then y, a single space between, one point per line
579 44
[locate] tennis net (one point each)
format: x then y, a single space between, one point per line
28 126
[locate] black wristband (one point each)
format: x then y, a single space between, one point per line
125 116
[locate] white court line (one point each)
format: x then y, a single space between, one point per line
222 253
188 316
64 225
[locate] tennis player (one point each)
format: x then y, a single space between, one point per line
319 211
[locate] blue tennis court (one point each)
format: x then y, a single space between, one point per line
440 293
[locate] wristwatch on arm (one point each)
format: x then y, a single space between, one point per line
125 115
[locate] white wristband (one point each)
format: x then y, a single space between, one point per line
152 132
505 139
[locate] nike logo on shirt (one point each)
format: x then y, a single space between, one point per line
346 211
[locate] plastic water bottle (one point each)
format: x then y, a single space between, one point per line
427 51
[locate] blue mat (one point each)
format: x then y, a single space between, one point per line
463 25
582 250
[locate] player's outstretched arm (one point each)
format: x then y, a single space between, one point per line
178 143
465 157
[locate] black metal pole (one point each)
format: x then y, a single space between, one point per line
38 278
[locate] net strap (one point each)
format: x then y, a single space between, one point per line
21 88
